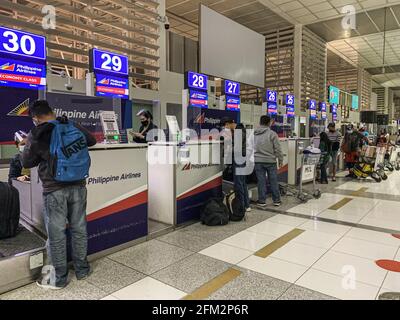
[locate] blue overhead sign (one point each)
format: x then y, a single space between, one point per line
22 59
232 88
196 81
272 96
333 95
110 86
232 103
18 43
109 62
354 102
289 100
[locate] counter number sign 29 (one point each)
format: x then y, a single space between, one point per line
19 43
197 81
109 62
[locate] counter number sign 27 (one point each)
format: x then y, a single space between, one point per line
20 43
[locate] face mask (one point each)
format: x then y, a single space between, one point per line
145 123
35 122
349 131
21 148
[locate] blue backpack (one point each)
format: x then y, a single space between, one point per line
69 152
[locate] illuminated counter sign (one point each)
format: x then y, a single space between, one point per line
196 81
333 95
198 99
232 103
112 73
272 98
232 95
197 84
334 112
354 102
22 59
289 101
232 88
322 108
111 86
312 105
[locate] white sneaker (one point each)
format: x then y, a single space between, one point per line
48 286
248 209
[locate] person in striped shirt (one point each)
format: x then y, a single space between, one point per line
335 138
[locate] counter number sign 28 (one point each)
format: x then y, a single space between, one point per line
15 42
197 81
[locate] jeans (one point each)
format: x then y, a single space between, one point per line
67 205
324 175
240 187
262 169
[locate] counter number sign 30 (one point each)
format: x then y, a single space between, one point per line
19 43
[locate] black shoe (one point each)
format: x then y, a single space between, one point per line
277 204
261 204
85 276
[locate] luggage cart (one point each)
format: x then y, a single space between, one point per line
308 173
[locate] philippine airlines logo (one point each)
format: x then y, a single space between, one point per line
22 110
200 118
189 166
8 67
105 81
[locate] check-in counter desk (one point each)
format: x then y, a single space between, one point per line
182 179
117 197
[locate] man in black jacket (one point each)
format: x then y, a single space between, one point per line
63 202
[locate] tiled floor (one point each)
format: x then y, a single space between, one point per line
331 256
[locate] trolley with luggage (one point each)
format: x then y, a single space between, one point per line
371 163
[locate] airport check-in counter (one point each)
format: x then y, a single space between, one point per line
116 201
182 178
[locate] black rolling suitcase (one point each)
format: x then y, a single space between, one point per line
9 211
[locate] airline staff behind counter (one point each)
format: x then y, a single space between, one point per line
146 119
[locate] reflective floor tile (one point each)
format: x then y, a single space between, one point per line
249 240
373 236
345 215
149 289
326 227
288 220
381 223
317 239
365 249
299 253
270 228
341 264
337 286
226 253
392 281
272 267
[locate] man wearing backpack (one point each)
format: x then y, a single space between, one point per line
53 145
267 150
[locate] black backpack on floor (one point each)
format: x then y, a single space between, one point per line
235 207
214 213
9 211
